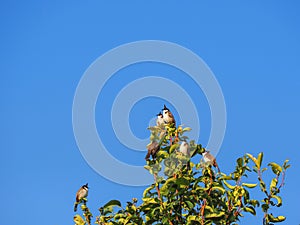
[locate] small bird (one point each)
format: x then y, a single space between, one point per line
184 148
153 148
159 121
81 193
211 159
168 116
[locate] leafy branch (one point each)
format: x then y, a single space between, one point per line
185 191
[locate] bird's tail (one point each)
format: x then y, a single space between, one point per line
217 166
75 206
148 155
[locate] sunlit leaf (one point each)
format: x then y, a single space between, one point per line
279 200
229 185
249 185
78 220
173 147
214 215
218 188
275 168
250 209
186 129
275 219
259 160
252 158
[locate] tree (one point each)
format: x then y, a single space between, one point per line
185 192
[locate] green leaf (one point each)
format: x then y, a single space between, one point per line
147 190
226 178
189 204
78 220
228 185
210 209
285 165
221 189
147 167
262 186
275 168
273 184
249 185
149 200
165 189
173 147
182 182
259 160
250 209
265 207
279 200
252 158
275 219
214 215
112 203
162 154
240 162
186 129
254 202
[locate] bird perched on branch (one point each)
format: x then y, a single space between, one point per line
153 148
168 116
160 120
210 159
81 193
184 148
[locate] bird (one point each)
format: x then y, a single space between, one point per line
159 121
184 148
210 159
81 193
168 116
153 148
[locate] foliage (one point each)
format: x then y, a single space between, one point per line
185 192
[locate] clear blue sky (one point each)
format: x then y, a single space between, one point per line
252 47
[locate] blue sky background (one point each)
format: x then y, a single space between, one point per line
252 47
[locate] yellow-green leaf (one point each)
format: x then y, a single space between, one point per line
219 189
279 200
186 129
173 147
275 168
252 158
250 210
275 219
228 185
78 220
147 190
249 185
259 160
214 215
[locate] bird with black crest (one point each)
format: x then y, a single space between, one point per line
168 116
81 193
209 158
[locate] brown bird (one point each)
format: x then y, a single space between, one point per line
168 116
184 148
81 193
210 159
160 120
153 148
